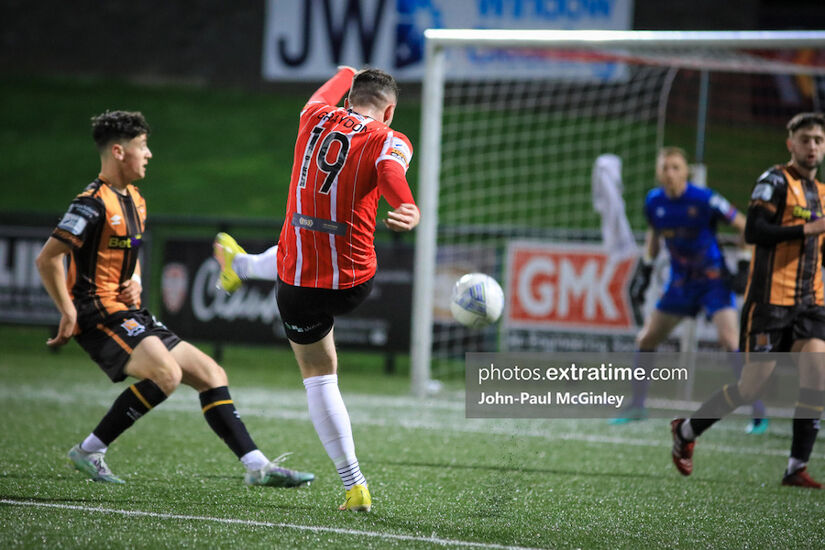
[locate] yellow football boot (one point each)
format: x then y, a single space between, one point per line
224 250
358 499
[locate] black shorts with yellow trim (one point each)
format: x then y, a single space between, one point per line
309 314
770 328
110 343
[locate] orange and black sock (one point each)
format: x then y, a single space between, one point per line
225 421
721 404
806 422
134 402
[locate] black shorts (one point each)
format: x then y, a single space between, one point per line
308 313
767 327
110 343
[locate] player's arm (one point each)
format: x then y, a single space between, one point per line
331 92
53 274
129 291
729 214
739 221
653 243
83 215
392 183
739 281
391 166
762 230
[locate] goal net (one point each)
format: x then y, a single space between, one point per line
513 123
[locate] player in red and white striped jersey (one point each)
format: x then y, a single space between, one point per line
345 159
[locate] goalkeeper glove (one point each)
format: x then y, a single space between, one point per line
640 281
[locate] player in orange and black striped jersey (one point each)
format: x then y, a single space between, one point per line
105 229
784 303
99 302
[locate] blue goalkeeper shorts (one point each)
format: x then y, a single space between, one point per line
686 298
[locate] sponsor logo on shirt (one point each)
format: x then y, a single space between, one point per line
804 213
132 327
399 154
126 242
73 224
762 191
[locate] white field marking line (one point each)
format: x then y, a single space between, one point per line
367 410
252 523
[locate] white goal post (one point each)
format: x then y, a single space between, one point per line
668 51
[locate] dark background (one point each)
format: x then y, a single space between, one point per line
215 41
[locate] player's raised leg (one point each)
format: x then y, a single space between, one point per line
238 266
224 250
203 374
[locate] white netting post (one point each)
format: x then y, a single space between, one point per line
425 250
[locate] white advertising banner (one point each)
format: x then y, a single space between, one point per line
308 39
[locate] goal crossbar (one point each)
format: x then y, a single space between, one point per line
622 39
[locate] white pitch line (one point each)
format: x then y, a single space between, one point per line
312 528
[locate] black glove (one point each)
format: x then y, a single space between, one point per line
640 282
739 282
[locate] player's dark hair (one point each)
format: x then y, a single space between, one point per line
116 126
804 120
373 87
671 151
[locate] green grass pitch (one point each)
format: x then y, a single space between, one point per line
438 479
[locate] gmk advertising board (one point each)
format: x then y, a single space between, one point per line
568 288
575 297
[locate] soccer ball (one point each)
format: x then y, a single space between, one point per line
477 300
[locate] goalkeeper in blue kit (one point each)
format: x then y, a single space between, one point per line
686 217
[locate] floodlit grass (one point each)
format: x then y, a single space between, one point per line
216 151
227 152
436 477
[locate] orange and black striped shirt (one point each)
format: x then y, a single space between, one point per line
105 230
787 272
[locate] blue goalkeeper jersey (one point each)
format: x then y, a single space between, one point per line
688 225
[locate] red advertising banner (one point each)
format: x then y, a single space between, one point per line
568 287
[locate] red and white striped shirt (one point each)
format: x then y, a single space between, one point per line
343 163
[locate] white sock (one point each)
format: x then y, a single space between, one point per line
331 420
686 431
254 460
263 266
93 444
794 465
